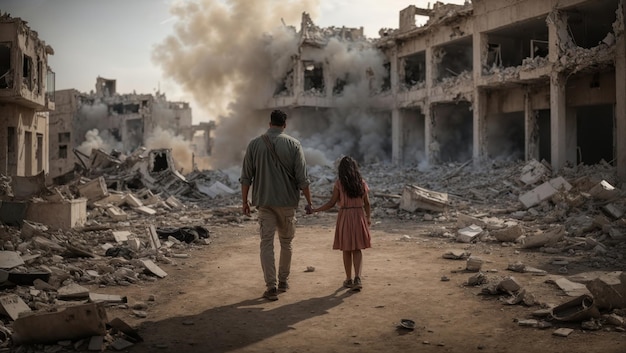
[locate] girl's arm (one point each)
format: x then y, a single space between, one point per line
367 207
333 200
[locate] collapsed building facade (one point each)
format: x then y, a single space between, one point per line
490 79
112 121
26 97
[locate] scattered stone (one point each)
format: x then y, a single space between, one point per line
562 332
456 254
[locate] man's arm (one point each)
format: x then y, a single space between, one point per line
244 199
307 195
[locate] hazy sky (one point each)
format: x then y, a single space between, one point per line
115 38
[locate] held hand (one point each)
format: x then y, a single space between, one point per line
308 209
246 209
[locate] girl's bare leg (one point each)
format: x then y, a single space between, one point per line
347 263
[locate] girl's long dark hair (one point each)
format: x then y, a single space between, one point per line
350 177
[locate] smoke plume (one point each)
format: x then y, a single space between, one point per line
231 56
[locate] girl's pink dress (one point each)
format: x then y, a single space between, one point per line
352 231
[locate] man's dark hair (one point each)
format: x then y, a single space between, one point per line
278 118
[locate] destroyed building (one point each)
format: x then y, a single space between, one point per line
112 121
491 79
26 97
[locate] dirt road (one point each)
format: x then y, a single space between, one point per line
212 301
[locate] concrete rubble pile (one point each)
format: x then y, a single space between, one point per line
44 268
120 241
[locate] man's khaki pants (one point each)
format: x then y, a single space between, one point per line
283 220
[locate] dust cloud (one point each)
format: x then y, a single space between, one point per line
232 55
182 153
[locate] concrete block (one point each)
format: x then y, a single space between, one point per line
509 285
121 236
467 234
155 242
94 190
58 215
609 291
10 259
544 238
67 323
463 220
132 200
116 213
474 264
145 210
106 298
570 288
613 210
174 203
96 343
544 192
12 306
509 234
115 199
134 244
532 172
31 229
73 291
120 344
414 197
604 191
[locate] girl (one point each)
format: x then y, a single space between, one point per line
353 220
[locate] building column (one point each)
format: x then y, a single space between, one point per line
531 135
557 32
431 145
620 95
479 150
479 134
397 137
558 121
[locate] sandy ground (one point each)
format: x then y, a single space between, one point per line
212 301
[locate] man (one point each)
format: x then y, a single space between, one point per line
274 166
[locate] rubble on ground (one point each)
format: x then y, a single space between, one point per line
139 213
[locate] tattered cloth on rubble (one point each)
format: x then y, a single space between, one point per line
186 234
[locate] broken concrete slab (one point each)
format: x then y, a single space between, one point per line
509 285
116 213
10 259
44 243
121 236
31 229
145 210
153 268
474 264
604 191
73 291
468 234
563 332
132 201
94 190
68 323
544 192
174 203
155 242
609 292
414 197
548 237
106 298
12 306
26 187
570 288
612 210
533 171
463 220
509 234
456 254
121 326
96 343
120 344
59 215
